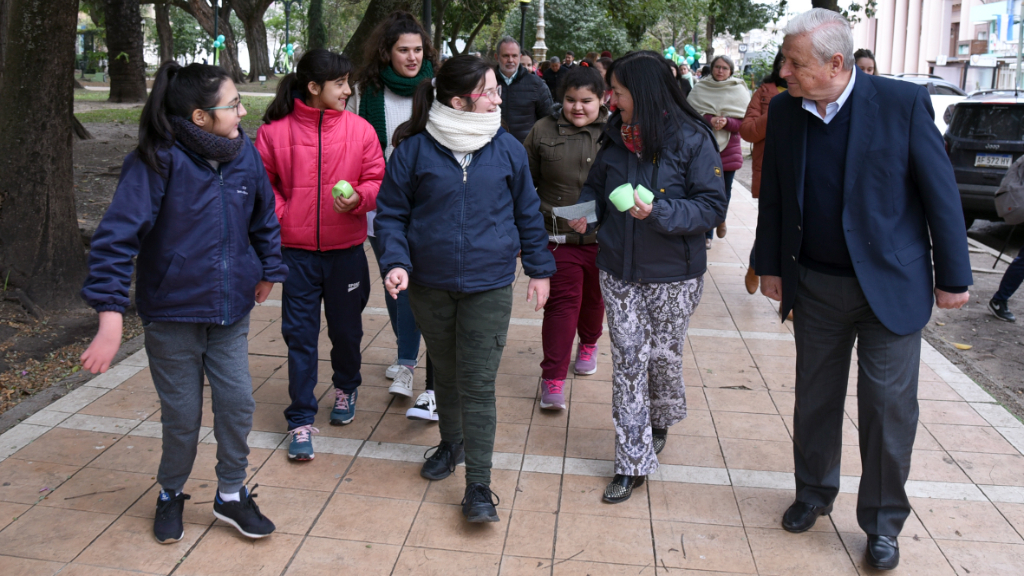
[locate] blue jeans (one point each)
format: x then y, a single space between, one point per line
341 280
1011 279
402 321
728 197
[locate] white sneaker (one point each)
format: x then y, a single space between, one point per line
425 408
402 384
392 371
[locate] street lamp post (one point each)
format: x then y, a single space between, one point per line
523 6
540 49
215 51
287 17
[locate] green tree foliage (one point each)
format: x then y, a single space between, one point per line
189 37
679 24
578 25
465 19
737 17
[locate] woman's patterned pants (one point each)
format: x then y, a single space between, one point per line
647 324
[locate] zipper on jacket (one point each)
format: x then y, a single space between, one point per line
224 244
319 173
462 235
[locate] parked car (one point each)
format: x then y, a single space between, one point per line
944 95
985 136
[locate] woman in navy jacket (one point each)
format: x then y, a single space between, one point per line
652 257
456 207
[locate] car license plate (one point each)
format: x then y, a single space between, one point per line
993 160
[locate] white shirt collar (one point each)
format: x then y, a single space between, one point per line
509 79
832 108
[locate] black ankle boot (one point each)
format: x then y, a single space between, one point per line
660 437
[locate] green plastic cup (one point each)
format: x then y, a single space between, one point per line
622 197
646 196
344 189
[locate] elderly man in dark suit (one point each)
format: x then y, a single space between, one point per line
860 224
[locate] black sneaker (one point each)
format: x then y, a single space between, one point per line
479 503
244 515
443 461
1001 310
167 526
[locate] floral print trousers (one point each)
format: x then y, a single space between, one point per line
647 324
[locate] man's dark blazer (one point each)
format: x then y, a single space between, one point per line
898 186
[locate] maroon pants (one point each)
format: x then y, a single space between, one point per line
574 306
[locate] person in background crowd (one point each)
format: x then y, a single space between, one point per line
1012 279
553 75
569 61
606 54
308 144
723 101
525 97
866 61
458 189
543 69
561 149
527 61
602 65
861 231
651 256
592 56
705 73
686 74
203 255
399 56
752 129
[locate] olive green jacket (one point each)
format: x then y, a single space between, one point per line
560 159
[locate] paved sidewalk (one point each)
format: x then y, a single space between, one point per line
77 480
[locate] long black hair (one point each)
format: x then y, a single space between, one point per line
659 107
581 77
774 77
459 76
177 91
319 66
377 50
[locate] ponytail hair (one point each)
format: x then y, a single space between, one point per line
459 76
177 91
319 66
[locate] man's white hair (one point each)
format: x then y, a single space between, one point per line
829 32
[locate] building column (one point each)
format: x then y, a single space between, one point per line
945 19
899 37
883 46
910 63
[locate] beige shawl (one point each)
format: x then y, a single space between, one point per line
728 98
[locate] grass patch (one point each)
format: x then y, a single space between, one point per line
255 106
92 95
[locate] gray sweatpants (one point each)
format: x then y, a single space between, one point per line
179 354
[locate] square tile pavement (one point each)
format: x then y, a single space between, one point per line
77 479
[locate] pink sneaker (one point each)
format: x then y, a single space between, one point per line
586 359
551 396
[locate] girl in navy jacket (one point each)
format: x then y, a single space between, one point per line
456 207
195 207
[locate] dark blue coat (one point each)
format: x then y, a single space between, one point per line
461 231
901 207
203 238
689 200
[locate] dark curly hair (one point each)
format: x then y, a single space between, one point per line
377 50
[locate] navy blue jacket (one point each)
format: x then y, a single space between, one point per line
461 230
689 200
204 238
901 207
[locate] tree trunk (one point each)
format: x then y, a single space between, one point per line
4 14
40 245
377 11
251 12
202 11
828 4
316 30
127 65
165 35
709 50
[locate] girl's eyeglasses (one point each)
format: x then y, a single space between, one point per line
237 107
491 95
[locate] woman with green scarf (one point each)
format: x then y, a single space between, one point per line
399 57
